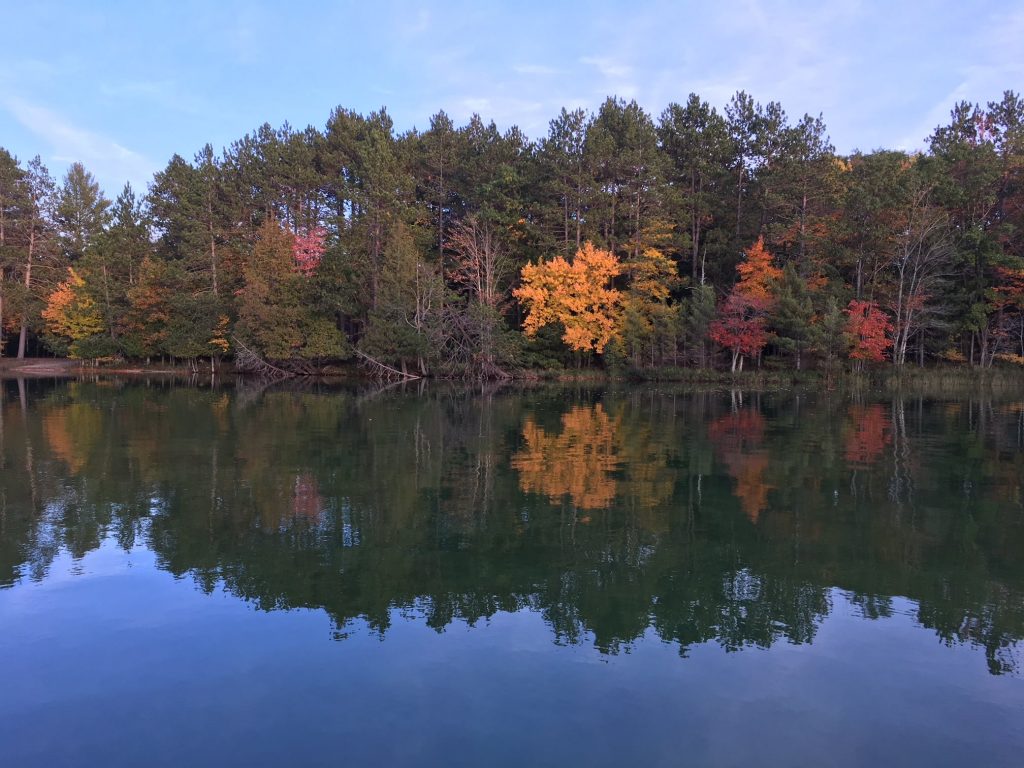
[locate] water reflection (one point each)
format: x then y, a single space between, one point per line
704 517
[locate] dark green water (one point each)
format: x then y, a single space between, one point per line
550 576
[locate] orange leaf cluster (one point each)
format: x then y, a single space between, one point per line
1010 290
757 275
70 312
579 295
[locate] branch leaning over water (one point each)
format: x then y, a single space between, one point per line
249 362
386 370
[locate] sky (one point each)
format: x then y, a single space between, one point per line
122 86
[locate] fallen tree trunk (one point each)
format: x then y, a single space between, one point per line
248 361
386 371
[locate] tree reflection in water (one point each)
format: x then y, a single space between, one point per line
704 517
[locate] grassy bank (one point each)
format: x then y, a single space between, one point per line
931 381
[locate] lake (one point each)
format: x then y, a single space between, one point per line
244 574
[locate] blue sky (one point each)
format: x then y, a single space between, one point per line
121 86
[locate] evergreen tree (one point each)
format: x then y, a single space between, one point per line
81 213
791 315
696 140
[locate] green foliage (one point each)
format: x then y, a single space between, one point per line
275 317
698 312
82 212
928 238
828 334
792 314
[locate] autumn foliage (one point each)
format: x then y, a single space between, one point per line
869 329
579 295
308 250
758 274
741 326
71 313
402 249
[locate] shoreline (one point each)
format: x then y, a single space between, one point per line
888 377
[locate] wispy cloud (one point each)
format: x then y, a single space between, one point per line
608 67
617 75
983 79
413 25
70 143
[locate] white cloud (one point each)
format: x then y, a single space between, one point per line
110 161
984 79
608 67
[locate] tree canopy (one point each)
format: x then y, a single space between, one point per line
701 237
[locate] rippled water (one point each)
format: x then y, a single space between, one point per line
246 575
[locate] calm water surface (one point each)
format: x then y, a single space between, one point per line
550 576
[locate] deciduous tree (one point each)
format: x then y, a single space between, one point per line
577 295
869 329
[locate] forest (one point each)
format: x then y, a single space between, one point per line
704 239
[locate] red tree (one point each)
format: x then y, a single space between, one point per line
741 317
740 326
869 329
308 250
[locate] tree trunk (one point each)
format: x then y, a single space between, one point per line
213 245
739 200
565 223
23 336
3 243
579 213
694 225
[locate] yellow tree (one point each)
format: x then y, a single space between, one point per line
71 313
579 295
647 322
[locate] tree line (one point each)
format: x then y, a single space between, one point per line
698 238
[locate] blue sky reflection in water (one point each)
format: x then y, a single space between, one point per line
543 576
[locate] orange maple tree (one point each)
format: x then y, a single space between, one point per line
758 274
579 295
71 312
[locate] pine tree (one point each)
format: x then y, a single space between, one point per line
81 213
792 314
